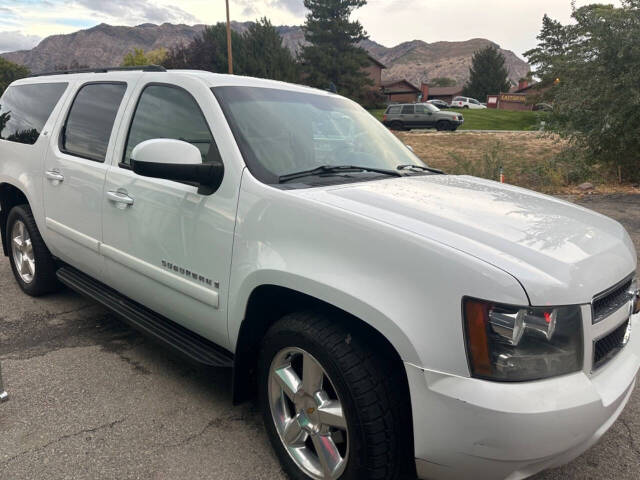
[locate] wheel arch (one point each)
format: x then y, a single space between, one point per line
10 196
266 304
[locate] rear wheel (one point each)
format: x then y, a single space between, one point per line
331 403
466 106
31 261
399 126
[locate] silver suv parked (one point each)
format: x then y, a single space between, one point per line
420 115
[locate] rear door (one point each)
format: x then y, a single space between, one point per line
74 174
409 116
169 247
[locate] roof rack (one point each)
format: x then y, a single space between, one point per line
145 68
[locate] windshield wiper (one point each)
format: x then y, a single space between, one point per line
336 169
423 168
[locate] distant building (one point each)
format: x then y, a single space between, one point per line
400 91
446 94
522 97
374 70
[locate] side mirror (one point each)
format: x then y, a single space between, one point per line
177 161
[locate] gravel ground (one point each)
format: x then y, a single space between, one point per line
92 399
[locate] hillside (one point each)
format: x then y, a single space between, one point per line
106 45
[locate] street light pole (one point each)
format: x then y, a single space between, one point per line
229 49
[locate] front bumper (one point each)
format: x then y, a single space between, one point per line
470 428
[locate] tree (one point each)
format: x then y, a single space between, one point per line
266 56
9 72
487 75
592 67
332 56
442 82
139 58
258 52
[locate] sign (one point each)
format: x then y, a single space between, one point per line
510 97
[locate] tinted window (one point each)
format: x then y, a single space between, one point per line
458 99
90 121
394 110
420 109
407 110
168 112
476 102
24 109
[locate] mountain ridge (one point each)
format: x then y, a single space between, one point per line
106 45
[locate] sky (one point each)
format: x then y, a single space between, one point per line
513 24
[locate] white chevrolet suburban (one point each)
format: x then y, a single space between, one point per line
393 320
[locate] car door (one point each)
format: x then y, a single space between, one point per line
409 116
74 172
166 245
423 116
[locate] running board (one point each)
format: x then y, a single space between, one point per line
195 347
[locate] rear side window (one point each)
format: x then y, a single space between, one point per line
394 110
87 131
407 110
165 111
458 99
24 109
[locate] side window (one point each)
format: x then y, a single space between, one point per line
420 109
24 109
164 111
87 131
407 110
394 110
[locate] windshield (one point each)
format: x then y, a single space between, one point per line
432 108
281 132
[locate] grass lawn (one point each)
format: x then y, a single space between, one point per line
491 119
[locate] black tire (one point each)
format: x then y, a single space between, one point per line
443 125
375 399
44 279
398 126
466 106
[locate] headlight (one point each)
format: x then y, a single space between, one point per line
514 344
635 296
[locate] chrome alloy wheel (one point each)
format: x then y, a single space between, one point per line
308 415
22 250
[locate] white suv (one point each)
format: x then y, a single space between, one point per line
466 102
391 319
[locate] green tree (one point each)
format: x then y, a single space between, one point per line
332 56
266 56
592 66
139 58
487 75
10 72
442 82
258 52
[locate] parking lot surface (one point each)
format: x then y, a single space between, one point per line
92 399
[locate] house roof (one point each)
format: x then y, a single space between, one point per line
445 90
411 86
376 61
524 89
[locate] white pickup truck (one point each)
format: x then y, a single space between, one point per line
393 320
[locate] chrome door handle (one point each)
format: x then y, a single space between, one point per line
121 199
54 176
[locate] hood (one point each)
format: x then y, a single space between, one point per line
561 253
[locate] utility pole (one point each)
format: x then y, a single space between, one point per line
229 49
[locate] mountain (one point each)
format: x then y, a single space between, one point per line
106 45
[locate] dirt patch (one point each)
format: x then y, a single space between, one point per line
527 159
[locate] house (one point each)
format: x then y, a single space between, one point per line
400 91
374 70
446 94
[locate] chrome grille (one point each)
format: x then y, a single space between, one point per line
607 302
607 347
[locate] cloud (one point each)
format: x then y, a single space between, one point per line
10 41
262 8
138 11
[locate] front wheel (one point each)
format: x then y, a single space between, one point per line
443 125
331 404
